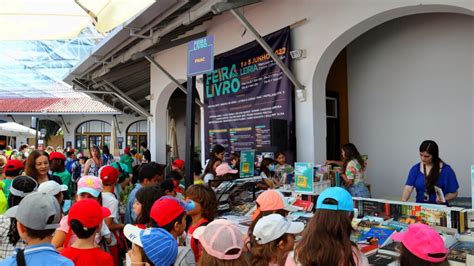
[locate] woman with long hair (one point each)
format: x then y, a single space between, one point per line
210 171
326 240
37 167
93 165
353 171
9 237
432 178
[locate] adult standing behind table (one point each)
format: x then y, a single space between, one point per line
94 163
429 175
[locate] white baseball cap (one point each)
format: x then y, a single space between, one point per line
51 187
273 226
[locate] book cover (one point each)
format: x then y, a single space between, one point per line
247 162
382 234
304 173
460 251
368 249
398 226
439 194
305 205
382 259
390 249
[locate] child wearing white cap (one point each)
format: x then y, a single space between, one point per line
54 189
273 238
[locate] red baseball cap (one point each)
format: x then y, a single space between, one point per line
13 165
126 150
88 212
57 155
109 175
178 163
165 210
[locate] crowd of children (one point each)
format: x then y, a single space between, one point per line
161 223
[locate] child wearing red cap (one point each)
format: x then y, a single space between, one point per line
421 245
11 169
85 219
204 212
109 176
169 214
58 167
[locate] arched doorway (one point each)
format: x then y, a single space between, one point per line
137 133
336 46
52 133
160 123
376 97
92 132
176 137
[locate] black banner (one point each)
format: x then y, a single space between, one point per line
244 92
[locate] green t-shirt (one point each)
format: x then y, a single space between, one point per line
66 179
6 188
3 199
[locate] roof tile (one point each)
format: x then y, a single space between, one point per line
53 105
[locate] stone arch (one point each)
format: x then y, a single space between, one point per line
350 34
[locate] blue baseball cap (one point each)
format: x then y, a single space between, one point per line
159 245
340 195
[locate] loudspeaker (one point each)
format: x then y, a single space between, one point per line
279 134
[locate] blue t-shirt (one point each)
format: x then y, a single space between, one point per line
39 255
130 215
446 181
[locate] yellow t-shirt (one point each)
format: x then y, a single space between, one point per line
199 182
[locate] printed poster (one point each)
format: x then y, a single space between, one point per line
247 163
246 90
304 173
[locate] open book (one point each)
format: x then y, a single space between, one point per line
439 194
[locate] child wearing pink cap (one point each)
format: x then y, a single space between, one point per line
88 187
223 244
421 245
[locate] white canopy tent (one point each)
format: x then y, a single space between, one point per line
63 19
13 129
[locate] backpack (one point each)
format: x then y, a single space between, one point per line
69 164
76 171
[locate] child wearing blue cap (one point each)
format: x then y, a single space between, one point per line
326 240
152 246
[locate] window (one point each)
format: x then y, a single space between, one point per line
137 133
93 132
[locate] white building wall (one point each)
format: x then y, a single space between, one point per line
409 80
73 121
330 26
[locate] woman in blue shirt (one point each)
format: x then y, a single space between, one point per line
429 175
